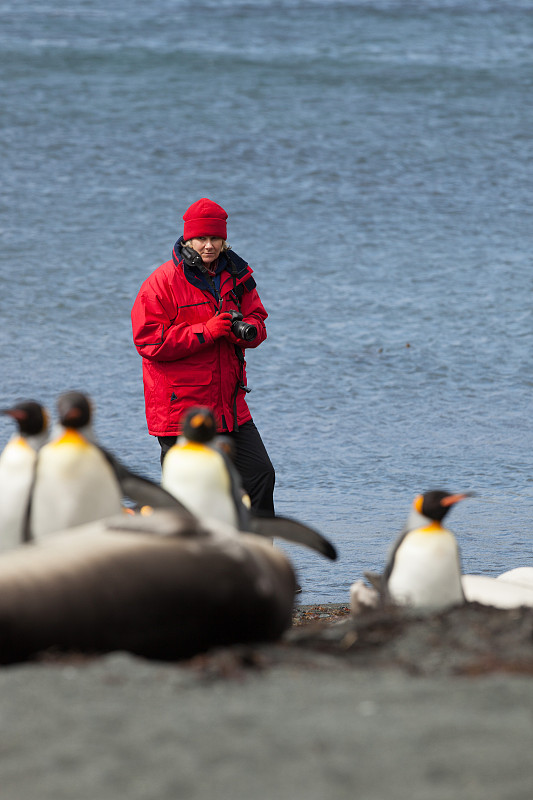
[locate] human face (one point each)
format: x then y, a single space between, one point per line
208 247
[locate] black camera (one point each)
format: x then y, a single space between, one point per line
242 330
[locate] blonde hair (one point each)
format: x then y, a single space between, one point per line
225 245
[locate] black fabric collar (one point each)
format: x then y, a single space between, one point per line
197 278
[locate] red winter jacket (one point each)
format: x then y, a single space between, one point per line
182 364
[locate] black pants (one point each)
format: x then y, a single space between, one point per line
252 462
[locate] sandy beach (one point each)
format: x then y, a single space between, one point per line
310 717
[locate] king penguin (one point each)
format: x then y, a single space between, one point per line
17 465
77 481
424 569
199 472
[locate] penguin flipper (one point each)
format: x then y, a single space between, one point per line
392 555
293 531
375 579
143 491
378 582
163 523
243 514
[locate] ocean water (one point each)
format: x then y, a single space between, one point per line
375 160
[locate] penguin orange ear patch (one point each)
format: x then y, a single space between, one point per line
198 420
418 502
73 414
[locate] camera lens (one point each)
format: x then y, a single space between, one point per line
243 330
247 332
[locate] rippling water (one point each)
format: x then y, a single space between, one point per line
375 160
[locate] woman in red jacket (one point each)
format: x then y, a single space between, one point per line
192 347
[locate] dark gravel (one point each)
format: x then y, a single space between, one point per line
383 707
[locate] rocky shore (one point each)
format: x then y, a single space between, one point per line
384 706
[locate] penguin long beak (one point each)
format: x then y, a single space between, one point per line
451 499
16 413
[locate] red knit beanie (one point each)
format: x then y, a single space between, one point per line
204 218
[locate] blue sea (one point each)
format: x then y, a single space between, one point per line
375 158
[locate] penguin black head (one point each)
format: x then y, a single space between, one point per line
435 504
30 417
74 409
199 425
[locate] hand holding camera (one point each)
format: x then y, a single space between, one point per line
240 329
226 322
219 325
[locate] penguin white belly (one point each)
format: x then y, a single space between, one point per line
16 474
198 478
426 572
74 485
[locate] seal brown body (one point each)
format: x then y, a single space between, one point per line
157 587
